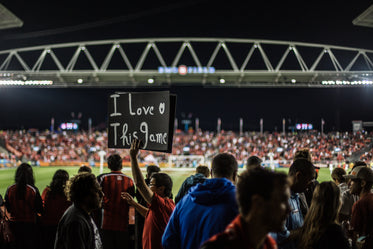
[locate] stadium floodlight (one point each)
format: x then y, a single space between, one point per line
25 83
150 81
79 81
222 81
293 81
346 82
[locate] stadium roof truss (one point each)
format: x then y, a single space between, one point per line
211 62
365 19
8 19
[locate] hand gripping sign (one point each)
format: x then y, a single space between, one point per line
147 116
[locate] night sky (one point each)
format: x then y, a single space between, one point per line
324 22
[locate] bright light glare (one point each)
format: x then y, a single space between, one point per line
80 81
25 83
222 81
346 82
293 81
150 81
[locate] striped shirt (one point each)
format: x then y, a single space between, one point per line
23 209
114 208
54 207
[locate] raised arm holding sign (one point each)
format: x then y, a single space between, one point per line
141 185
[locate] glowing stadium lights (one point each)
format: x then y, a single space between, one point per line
79 81
150 81
222 81
25 83
6 74
346 82
293 81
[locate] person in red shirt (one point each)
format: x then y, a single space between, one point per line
140 206
115 210
23 202
55 204
259 192
362 211
159 197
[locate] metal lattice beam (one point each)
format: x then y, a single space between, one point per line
239 70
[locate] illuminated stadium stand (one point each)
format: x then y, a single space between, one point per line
162 62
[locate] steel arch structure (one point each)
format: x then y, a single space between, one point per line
163 62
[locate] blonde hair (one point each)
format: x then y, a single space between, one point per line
323 212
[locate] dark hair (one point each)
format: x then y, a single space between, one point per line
80 186
368 186
24 175
257 181
337 174
114 162
57 186
162 179
202 169
150 169
84 168
303 154
359 163
302 165
224 165
253 162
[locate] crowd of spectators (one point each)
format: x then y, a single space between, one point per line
67 214
36 146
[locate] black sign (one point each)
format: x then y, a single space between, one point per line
147 116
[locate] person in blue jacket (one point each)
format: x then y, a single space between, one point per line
207 208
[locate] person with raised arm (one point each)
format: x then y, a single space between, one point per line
159 197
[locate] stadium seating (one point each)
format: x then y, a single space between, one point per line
74 148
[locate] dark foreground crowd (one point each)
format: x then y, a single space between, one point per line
256 209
